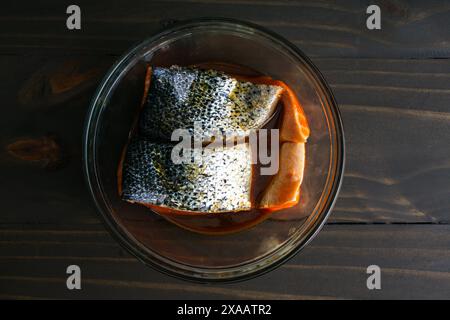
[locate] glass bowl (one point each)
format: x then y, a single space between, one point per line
166 244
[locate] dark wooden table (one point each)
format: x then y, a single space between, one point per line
393 90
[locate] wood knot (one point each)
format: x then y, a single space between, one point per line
45 151
56 82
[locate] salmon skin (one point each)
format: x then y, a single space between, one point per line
181 96
220 183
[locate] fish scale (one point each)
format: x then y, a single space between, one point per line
179 97
184 98
221 182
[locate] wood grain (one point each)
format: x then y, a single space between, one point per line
410 29
397 134
393 93
398 160
414 262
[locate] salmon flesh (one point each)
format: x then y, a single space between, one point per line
180 96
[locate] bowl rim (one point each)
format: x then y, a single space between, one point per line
131 245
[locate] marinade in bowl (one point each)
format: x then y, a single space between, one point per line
224 246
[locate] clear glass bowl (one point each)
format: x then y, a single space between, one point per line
163 244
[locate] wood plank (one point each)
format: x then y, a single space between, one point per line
382 183
401 84
405 170
393 209
411 29
40 111
414 261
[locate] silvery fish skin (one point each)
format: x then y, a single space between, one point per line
178 97
221 183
